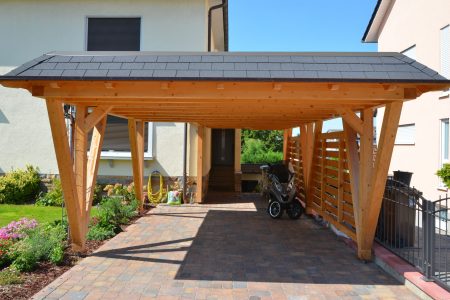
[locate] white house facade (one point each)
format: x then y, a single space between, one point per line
419 29
31 28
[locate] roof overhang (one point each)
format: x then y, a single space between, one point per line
376 23
283 91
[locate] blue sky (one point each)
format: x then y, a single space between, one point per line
300 25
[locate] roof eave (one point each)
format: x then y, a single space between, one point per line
377 20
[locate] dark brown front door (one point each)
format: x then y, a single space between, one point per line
222 152
223 147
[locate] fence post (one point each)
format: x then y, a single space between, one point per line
428 221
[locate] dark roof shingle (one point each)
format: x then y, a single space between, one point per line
246 66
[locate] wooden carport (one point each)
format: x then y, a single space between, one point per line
236 90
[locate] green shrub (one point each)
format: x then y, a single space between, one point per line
19 186
444 174
255 152
120 190
99 233
112 212
98 194
40 244
54 197
10 276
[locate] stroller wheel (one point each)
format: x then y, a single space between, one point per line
295 209
275 210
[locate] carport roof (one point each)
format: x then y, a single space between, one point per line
227 66
226 89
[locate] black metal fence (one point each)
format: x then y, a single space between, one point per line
416 229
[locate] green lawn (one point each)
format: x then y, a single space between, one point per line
43 214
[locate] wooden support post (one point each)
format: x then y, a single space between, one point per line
365 169
136 134
65 166
95 150
313 131
286 135
80 168
354 174
237 161
378 177
199 194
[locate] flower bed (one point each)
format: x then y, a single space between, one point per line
32 255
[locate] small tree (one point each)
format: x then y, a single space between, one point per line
444 174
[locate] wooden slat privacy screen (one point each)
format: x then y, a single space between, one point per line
329 193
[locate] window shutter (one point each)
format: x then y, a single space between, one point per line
406 134
114 34
445 51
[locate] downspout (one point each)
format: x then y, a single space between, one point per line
224 6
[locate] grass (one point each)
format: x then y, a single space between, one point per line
43 214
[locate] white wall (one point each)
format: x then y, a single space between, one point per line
419 23
29 29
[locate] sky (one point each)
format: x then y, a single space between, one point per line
300 25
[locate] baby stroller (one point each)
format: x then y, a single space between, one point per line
279 189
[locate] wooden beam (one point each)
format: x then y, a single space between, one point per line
366 169
96 116
307 148
136 135
80 164
354 174
351 119
312 149
68 183
228 90
199 193
237 150
287 133
94 162
378 180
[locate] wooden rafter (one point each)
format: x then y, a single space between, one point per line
96 116
351 119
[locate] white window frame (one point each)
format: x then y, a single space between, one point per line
442 160
126 155
396 143
446 93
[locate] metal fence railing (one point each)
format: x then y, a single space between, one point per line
416 229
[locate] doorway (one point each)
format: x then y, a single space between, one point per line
222 160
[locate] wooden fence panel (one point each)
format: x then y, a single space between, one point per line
330 192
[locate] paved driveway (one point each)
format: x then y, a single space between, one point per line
224 251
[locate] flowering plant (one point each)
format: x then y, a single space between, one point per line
5 246
17 229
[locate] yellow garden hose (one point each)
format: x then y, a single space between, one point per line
159 195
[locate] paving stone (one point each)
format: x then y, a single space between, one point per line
229 250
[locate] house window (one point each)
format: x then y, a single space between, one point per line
117 34
445 137
406 134
114 34
445 53
410 52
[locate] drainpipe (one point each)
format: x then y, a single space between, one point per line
224 7
185 163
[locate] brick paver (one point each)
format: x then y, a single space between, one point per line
224 251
